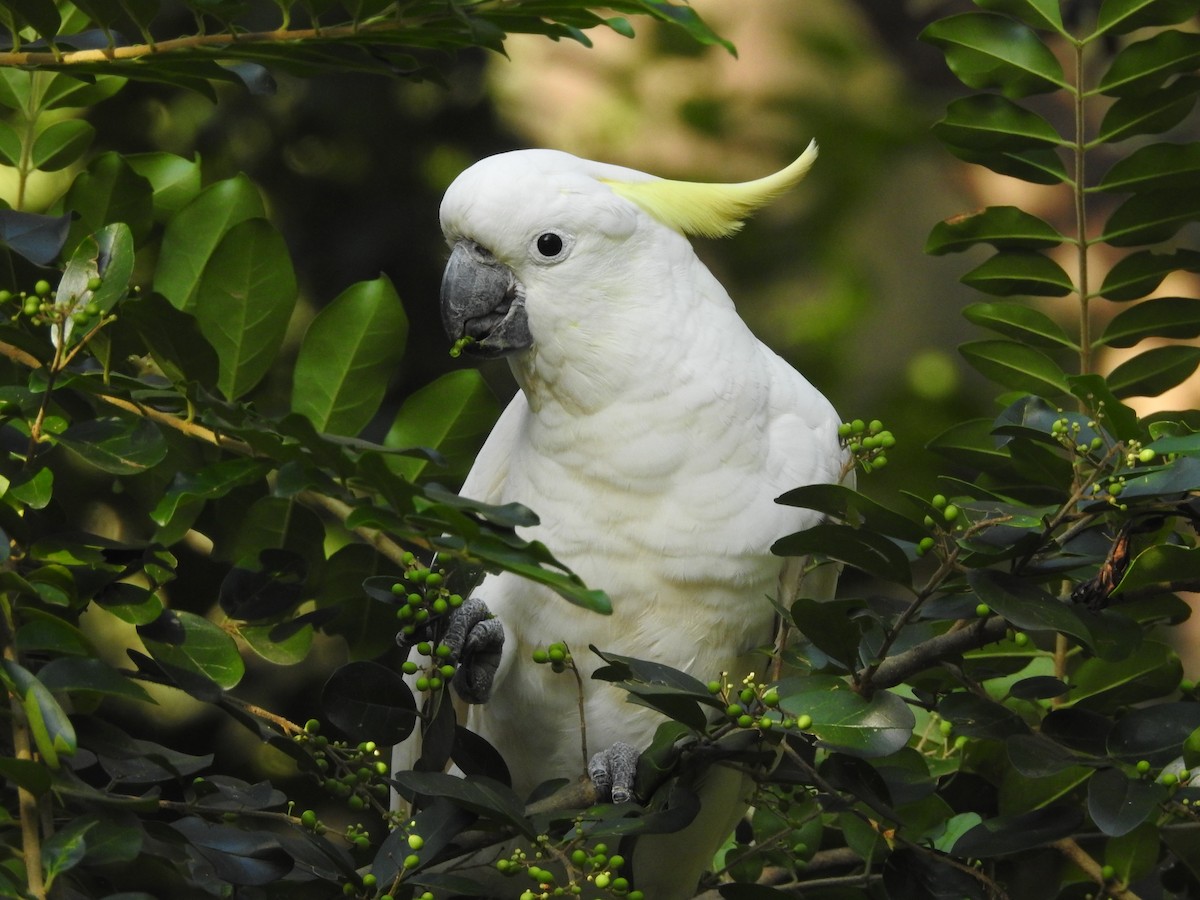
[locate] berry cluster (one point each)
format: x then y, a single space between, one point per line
583 866
42 306
460 345
944 516
868 442
755 705
356 773
556 655
424 599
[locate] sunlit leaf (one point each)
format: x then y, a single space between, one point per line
61 144
1021 322
1140 273
1161 564
452 416
1152 114
1004 227
1151 671
1038 165
992 51
1151 217
186 641
991 122
1142 67
118 446
109 191
1040 14
846 721
1016 366
175 181
347 357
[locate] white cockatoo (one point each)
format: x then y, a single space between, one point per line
651 435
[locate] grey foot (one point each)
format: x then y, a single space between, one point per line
476 640
614 770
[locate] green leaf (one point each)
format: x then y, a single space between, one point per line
1154 371
1161 564
1020 322
1025 605
61 144
990 122
43 17
831 626
90 676
34 489
175 181
10 145
1012 272
991 51
1102 404
1123 16
1016 366
1135 854
108 191
1160 111
482 795
195 231
1160 317
1155 167
872 553
347 357
686 18
1154 733
34 776
284 649
848 505
244 303
1140 273
1118 804
1002 835
846 721
1142 67
173 339
367 701
1151 671
1151 217
453 415
1037 165
66 91
1042 14
970 443
186 641
49 725
65 849
117 446
209 483
1004 227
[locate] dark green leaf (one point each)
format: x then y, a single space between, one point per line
1151 217
193 234
1151 671
1016 366
66 848
913 875
34 776
848 505
1142 67
1118 804
175 181
118 446
1021 322
971 443
1153 114
90 676
1161 564
1038 165
1154 167
1025 605
1123 16
832 627
238 856
66 91
845 720
863 549
109 191
1174 479
367 701
1004 227
10 145
38 238
1154 733
43 17
452 415
347 357
1159 317
991 51
1020 272
1100 403
188 642
1154 371
1037 756
979 717
1038 687
61 144
1140 273
244 303
208 483
1042 14
482 795
1003 835
990 122
173 339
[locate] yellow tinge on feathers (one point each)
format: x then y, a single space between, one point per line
712 210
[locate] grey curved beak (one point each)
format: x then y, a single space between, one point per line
482 299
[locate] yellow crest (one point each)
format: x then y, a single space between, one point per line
711 210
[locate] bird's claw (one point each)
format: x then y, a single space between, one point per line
613 771
476 640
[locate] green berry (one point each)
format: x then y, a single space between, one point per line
308 819
1108 873
714 687
982 610
875 426
556 653
938 501
858 426
946 727
950 513
1020 639
447 671
602 880
804 722
42 288
540 656
422 683
745 721
1146 455
434 579
771 698
844 430
616 861
926 544
579 857
31 306
415 842
94 283
734 710
356 802
369 880
424 648
408 667
412 861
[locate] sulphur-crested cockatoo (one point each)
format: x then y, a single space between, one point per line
651 435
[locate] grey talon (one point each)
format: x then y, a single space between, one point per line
475 640
614 770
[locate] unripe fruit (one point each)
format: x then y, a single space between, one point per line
945 727
308 819
982 610
412 861
938 501
94 283
415 841
42 288
950 513
714 687
369 880
1146 455
557 653
1020 639
1108 873
804 722
771 698
745 721
540 656
616 861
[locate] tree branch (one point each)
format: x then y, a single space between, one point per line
899 668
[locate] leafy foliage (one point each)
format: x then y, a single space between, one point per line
991 711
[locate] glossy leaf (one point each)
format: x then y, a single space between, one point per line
173 339
174 181
1160 111
1118 804
367 701
863 549
846 721
1026 606
1154 371
117 446
1123 16
1041 14
1013 272
1140 273
979 717
109 191
1160 317
1003 835
992 51
188 642
1151 217
90 676
10 145
1161 564
1024 323
193 234
1004 227
1155 167
209 483
1151 671
1142 67
244 303
38 238
348 356
49 724
61 144
1154 733
848 505
481 795
1016 366
1038 165
452 416
990 122
66 848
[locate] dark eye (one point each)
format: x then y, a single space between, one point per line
550 244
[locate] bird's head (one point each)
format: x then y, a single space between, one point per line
545 245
